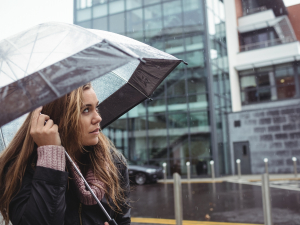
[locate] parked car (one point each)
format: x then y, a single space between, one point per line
144 174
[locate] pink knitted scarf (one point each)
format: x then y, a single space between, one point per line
52 156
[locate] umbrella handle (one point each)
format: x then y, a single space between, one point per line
110 220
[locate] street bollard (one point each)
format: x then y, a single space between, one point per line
212 169
238 162
177 198
295 166
267 207
188 169
266 165
165 172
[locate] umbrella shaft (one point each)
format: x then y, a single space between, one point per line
88 186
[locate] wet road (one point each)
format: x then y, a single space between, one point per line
222 202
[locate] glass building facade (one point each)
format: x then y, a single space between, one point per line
186 121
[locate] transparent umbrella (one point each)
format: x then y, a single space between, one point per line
48 61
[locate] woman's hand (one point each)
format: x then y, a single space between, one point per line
106 223
44 134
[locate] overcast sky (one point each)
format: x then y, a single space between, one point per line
291 2
18 15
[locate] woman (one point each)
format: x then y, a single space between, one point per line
37 186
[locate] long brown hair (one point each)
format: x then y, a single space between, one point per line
65 112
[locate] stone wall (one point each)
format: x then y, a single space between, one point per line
273 133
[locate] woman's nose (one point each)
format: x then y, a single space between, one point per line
97 118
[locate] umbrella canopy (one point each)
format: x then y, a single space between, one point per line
48 61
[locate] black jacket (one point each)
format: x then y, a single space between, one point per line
45 198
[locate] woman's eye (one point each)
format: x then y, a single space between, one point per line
86 110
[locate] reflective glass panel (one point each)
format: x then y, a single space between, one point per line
153 20
195 59
116 7
192 12
100 10
117 132
137 138
84 14
196 81
117 23
197 102
247 82
157 139
132 4
200 154
134 27
158 105
100 23
172 14
85 24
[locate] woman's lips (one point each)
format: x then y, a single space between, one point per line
96 131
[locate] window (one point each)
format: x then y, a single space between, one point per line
268 83
251 6
259 39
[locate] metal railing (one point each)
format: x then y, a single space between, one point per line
266 44
254 10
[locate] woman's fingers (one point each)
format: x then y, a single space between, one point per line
106 223
48 124
41 121
43 130
35 116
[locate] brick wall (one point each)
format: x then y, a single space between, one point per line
294 17
238 8
273 133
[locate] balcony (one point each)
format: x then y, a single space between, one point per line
271 54
267 43
254 10
255 21
265 32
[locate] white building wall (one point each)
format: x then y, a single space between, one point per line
233 49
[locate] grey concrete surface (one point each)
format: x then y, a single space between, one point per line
220 202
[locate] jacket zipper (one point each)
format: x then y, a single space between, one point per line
79 211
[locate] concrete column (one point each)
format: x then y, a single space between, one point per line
177 198
165 172
267 207
295 166
212 169
188 170
238 163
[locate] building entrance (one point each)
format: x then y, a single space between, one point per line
242 152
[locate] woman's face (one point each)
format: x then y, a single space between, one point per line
90 118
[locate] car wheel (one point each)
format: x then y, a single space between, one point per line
140 178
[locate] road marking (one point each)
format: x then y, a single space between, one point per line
271 185
185 222
192 182
274 179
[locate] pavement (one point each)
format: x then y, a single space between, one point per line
222 201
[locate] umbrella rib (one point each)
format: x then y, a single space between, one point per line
123 50
12 70
37 34
49 84
52 51
7 75
2 137
4 72
132 85
15 48
15 65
